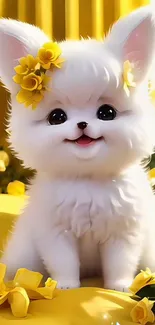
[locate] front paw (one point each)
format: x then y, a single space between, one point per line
121 285
67 284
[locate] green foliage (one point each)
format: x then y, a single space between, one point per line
14 171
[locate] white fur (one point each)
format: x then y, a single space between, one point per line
91 210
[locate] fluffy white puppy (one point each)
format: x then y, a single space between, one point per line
91 208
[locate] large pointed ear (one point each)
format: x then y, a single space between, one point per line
133 38
17 39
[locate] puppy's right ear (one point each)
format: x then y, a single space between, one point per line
17 39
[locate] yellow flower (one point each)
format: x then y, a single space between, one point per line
31 82
141 280
24 286
151 175
33 89
49 55
16 188
4 160
27 64
29 98
142 312
128 77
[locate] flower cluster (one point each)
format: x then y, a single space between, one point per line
143 290
25 286
31 73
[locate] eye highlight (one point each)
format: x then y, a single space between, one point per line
106 113
57 116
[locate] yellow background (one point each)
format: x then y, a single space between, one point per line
65 19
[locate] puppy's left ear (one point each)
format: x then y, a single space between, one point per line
133 38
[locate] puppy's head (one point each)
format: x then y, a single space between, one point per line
86 124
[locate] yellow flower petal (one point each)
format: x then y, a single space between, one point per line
126 89
27 279
58 63
128 77
4 297
19 302
23 95
2 271
46 292
17 79
141 280
31 82
23 70
37 97
2 284
142 313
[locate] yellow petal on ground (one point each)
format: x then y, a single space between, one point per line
19 302
28 279
46 292
2 271
3 298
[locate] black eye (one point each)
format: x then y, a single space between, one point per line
106 113
58 116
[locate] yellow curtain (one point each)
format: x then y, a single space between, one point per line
65 19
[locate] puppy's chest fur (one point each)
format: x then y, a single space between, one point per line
98 206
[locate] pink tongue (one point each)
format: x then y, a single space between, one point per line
84 140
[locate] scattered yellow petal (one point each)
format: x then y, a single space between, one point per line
19 302
27 279
22 288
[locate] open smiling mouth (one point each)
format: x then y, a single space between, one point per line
85 141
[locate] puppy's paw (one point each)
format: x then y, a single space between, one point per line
119 285
68 284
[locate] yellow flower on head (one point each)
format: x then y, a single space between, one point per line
142 312
49 55
28 98
31 74
128 76
31 82
27 64
141 280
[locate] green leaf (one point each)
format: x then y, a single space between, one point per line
147 291
136 298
